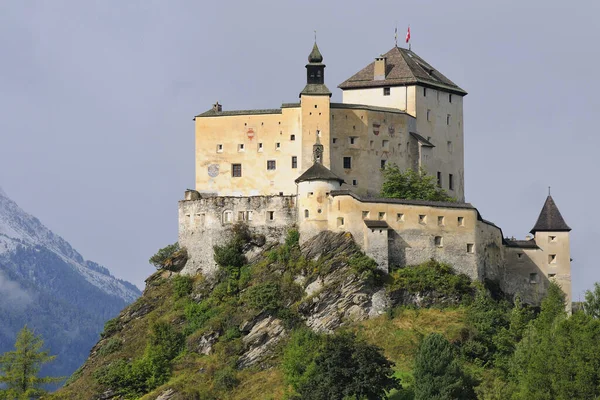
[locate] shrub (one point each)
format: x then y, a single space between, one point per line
111 346
264 297
431 276
182 286
225 379
160 259
197 315
293 238
111 327
412 185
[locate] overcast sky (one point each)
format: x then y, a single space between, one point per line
97 100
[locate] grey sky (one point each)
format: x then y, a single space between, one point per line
97 100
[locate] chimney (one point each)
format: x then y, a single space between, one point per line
217 107
380 65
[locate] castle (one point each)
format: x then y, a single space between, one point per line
317 165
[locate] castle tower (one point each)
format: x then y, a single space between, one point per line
315 108
551 234
314 188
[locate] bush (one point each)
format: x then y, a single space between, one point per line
182 286
225 379
111 346
197 315
264 297
111 327
160 259
412 185
431 276
293 238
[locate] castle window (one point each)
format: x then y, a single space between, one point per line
439 179
305 213
271 165
385 144
470 248
424 92
353 139
552 259
334 140
519 255
450 146
428 115
383 162
219 148
381 216
448 119
294 162
347 162
319 211
292 137
461 221
422 219
241 216
340 221
400 217
365 214
533 277
236 170
439 241
249 215
551 276
450 97
227 217
450 181
277 146
354 182
260 147
441 220
241 147
551 239
386 91
271 215
371 144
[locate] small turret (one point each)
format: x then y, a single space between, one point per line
550 219
315 74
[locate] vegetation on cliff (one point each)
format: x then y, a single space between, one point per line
319 321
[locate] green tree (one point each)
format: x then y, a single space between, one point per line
591 305
342 367
438 374
411 185
19 369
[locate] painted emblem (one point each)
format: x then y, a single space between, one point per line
250 133
376 127
391 130
213 170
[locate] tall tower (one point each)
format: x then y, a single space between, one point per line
315 104
551 234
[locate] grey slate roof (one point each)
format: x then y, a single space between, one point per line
376 224
403 67
318 172
421 139
403 201
213 113
522 244
316 89
550 219
366 107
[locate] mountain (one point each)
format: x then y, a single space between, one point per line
49 286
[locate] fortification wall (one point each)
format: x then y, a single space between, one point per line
206 222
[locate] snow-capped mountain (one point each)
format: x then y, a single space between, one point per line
48 286
19 228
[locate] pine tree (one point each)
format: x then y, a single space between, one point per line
19 368
437 371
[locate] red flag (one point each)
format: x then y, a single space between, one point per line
408 35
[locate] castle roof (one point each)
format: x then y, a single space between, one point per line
318 172
522 244
403 67
550 219
421 139
315 56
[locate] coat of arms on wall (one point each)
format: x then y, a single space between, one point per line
391 130
250 133
376 127
213 170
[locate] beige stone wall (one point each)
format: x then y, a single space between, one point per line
214 166
447 136
206 222
368 137
412 238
